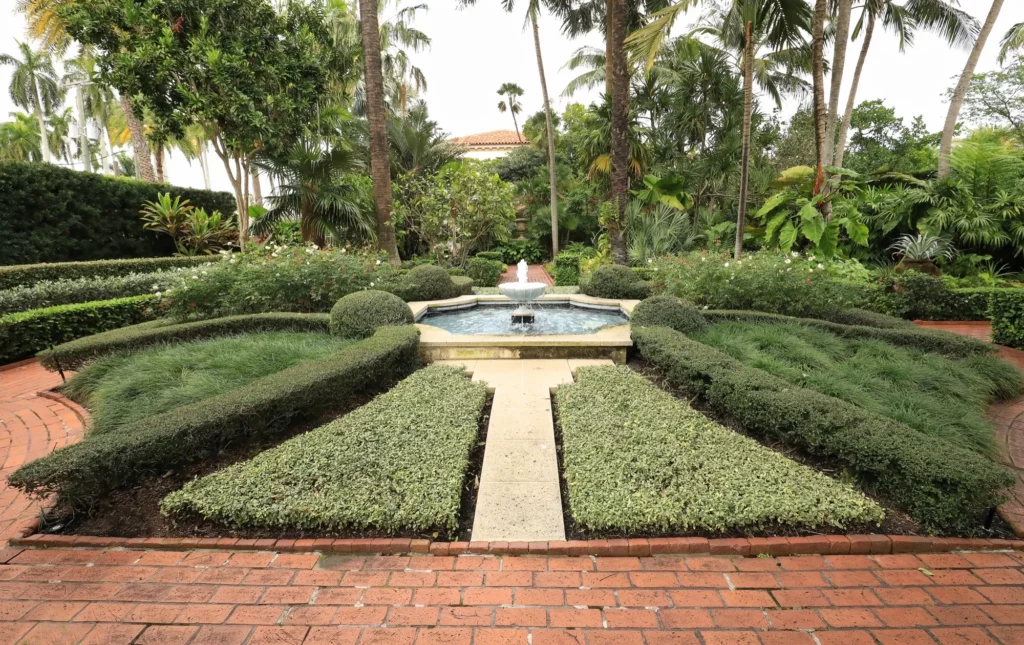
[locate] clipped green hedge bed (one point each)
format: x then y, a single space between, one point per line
74 354
1007 311
945 487
395 465
66 292
28 274
83 472
637 460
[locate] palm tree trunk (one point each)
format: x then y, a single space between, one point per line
142 164
550 129
511 108
158 154
257 189
820 109
83 132
204 165
380 169
44 143
838 65
620 126
748 107
107 161
844 126
946 144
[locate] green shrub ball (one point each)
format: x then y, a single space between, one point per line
615 281
432 283
359 314
671 312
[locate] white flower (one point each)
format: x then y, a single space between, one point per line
315 247
810 270
343 249
155 287
788 261
794 254
726 265
810 258
231 261
195 277
789 269
821 266
158 294
371 284
378 262
649 260
705 306
273 255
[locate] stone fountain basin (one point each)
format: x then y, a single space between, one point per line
522 292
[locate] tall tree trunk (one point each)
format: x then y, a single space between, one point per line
616 52
844 126
143 167
106 155
550 129
748 108
158 154
514 122
44 143
204 164
820 109
838 66
83 132
257 189
380 168
946 144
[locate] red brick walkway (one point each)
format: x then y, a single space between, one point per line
206 597
30 427
536 273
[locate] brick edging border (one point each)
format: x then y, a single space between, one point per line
80 412
868 544
17 364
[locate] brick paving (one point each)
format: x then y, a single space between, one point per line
252 598
30 427
536 273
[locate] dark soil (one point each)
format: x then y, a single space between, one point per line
470 488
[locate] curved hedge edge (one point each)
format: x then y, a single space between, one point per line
83 472
24 333
926 340
72 355
28 274
947 488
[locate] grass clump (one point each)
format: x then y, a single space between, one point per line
394 465
936 395
122 389
638 460
359 314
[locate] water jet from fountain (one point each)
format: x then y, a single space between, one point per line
523 293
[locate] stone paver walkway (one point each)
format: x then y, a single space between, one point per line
121 597
536 273
30 427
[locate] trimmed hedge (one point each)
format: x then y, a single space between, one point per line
360 314
463 285
668 311
1007 310
395 465
25 333
26 275
74 354
428 282
566 272
925 340
614 281
66 292
54 214
865 318
83 472
637 460
484 272
946 488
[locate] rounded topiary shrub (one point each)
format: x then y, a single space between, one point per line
615 281
359 314
431 282
668 311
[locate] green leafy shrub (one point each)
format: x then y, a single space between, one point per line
644 273
25 333
490 255
427 282
1008 317
83 472
455 271
360 314
513 251
946 488
614 281
126 388
639 461
73 354
54 214
463 285
567 269
66 292
668 311
394 465
939 396
485 273
26 275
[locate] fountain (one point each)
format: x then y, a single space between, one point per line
523 293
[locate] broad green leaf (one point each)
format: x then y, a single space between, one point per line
773 202
829 240
787 236
773 226
857 231
814 226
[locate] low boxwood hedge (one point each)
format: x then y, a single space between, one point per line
83 472
566 272
865 318
484 272
51 293
395 465
668 311
25 333
614 281
946 488
74 354
28 274
637 460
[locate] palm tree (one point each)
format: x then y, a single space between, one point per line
939 16
512 92
59 134
418 145
34 86
844 9
957 100
1012 41
45 24
403 80
19 139
380 170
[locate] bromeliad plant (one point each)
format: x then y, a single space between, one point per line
794 217
194 231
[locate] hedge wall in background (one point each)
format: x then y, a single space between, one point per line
53 214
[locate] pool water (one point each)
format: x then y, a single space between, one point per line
496 319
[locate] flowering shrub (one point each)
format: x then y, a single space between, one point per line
276 278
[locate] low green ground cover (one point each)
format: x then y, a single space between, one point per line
936 395
394 465
639 460
124 388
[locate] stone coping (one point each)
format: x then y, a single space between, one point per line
855 544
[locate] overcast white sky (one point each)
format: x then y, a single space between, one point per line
477 49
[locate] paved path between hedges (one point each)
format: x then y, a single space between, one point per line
30 427
536 273
1006 417
257 598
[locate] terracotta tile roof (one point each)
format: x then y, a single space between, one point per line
492 138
